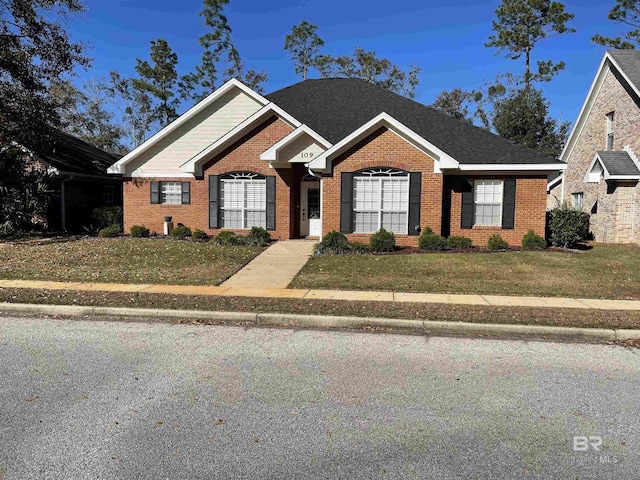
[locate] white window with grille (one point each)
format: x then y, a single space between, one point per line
487 198
243 201
171 193
381 200
610 131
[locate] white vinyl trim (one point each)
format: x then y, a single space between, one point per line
549 167
118 167
192 165
442 160
271 154
553 182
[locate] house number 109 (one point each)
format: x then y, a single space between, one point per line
306 154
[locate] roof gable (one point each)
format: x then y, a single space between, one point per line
193 119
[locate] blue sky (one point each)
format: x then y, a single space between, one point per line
445 37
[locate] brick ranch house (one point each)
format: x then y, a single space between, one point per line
333 154
603 172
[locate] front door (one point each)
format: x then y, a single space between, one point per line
310 221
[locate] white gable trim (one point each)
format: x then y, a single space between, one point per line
118 167
518 167
605 172
194 164
442 160
272 153
594 90
554 182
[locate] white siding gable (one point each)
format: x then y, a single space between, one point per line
301 150
165 157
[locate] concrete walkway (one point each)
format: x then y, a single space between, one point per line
275 267
487 300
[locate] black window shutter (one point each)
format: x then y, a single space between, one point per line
155 192
415 192
467 212
271 202
346 203
186 193
508 203
214 201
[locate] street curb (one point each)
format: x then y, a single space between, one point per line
424 327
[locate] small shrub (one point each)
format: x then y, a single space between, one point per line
110 231
357 247
531 241
428 231
458 241
568 226
199 236
227 238
496 242
431 241
181 231
139 231
106 216
382 241
259 237
333 243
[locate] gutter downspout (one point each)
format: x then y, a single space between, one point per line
63 206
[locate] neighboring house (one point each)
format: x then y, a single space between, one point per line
80 182
333 154
603 171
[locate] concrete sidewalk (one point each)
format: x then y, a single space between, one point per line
275 267
454 299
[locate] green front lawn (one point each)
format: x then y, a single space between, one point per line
124 260
606 271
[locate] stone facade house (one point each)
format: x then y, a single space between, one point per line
603 172
333 154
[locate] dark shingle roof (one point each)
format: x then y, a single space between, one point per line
72 155
552 176
629 63
618 163
335 107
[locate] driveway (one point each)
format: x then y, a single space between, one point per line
134 400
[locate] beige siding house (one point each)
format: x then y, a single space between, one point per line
603 171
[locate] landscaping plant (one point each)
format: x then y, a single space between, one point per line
458 241
139 231
569 226
333 243
228 238
181 231
382 241
430 241
258 237
531 241
199 236
496 243
110 231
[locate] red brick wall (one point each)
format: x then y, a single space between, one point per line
530 212
244 155
383 148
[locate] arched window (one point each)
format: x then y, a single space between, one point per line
380 200
243 200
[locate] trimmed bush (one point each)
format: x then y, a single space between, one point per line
458 241
428 231
181 231
110 231
333 243
357 247
227 238
568 226
199 236
259 237
531 241
382 241
496 242
106 216
139 231
431 241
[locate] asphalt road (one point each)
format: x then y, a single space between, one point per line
133 400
